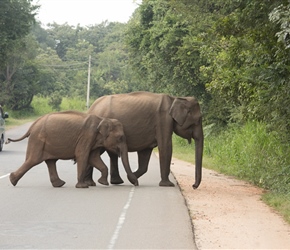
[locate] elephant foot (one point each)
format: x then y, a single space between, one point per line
90 183
116 180
58 183
103 181
13 179
82 185
166 183
133 179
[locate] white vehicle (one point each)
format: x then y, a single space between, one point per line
3 116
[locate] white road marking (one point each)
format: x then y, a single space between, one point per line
121 220
4 176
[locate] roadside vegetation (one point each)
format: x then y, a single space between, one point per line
232 55
41 106
248 152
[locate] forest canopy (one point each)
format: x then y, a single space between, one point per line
232 55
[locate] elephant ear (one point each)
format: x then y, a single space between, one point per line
179 110
104 128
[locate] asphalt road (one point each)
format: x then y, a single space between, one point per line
34 215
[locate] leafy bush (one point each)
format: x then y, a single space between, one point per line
252 153
41 105
249 152
55 101
73 104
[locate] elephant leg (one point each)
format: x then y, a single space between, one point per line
114 170
96 161
82 164
53 175
165 154
89 172
18 174
143 161
89 176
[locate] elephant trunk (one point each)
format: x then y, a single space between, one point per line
125 160
198 138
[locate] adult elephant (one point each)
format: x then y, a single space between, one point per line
149 119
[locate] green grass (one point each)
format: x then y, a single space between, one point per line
13 122
250 153
39 107
280 202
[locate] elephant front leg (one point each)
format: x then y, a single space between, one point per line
89 176
82 165
114 169
53 175
165 154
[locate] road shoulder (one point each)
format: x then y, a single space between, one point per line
228 214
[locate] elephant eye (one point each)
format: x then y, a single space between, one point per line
121 138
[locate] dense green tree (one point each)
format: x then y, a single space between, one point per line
16 56
43 37
281 16
224 52
232 55
63 59
66 70
16 18
50 74
164 46
64 36
247 69
19 78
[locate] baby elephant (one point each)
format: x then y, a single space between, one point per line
73 135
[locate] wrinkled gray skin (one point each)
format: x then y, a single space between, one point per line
73 135
149 120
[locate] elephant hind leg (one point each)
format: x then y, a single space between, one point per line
18 174
89 171
14 178
96 161
53 175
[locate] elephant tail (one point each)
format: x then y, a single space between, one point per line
27 134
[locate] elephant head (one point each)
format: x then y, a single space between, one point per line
114 141
187 117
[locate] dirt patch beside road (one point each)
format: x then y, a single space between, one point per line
229 214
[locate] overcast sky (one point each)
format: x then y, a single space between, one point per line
84 12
